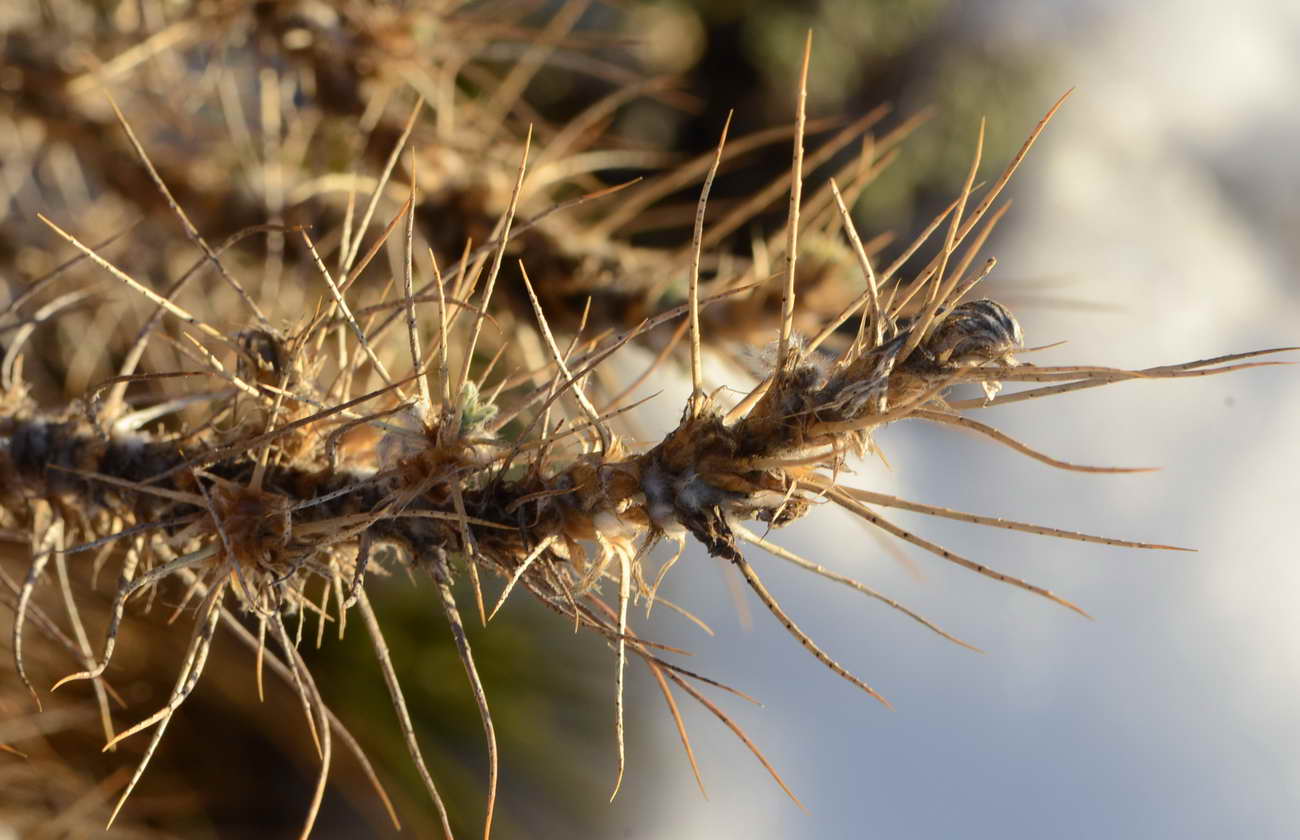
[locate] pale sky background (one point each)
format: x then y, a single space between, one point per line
1169 186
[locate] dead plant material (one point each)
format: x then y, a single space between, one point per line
261 466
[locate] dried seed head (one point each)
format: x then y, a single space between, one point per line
975 332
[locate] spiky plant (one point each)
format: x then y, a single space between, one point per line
262 445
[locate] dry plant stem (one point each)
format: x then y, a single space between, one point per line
655 364
114 402
697 370
938 294
664 185
379 243
982 208
78 629
960 422
816 568
991 521
868 273
608 346
755 583
458 501
43 623
439 573
408 277
792 224
849 503
1161 372
320 723
519 573
13 353
191 669
444 360
284 672
661 668
624 595
185 317
190 231
496 267
369 213
546 395
679 723
35 286
740 733
749 401
260 658
127 586
39 559
342 305
657 668
570 381
775 463
762 199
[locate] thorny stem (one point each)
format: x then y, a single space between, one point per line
439 572
792 223
275 480
697 374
